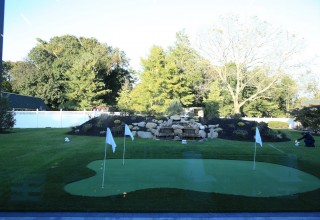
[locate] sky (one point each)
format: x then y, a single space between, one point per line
135 25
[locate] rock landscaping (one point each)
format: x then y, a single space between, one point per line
178 128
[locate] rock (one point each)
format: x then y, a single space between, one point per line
151 125
145 134
134 133
212 134
135 128
169 122
213 126
177 131
153 131
217 129
201 127
177 126
142 124
175 117
202 134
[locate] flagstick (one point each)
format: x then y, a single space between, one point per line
124 148
254 157
104 164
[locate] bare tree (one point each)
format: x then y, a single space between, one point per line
251 54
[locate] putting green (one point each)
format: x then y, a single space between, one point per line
204 175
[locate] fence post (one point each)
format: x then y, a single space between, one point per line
37 113
61 118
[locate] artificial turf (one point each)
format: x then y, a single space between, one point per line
36 164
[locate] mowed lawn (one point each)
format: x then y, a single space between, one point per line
36 164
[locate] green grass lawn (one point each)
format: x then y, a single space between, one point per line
36 164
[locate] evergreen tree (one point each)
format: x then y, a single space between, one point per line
7 120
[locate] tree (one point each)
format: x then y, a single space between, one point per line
71 72
124 99
247 55
213 101
24 78
175 107
151 95
6 78
187 70
309 117
169 75
6 115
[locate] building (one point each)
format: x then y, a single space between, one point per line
23 103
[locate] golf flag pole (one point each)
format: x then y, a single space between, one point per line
259 141
126 132
104 164
109 140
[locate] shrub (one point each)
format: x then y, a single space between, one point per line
117 130
100 123
309 117
117 122
7 120
278 125
87 127
262 126
240 133
241 124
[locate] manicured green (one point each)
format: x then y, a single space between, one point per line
200 175
41 158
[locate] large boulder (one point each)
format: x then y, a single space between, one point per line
142 124
212 134
145 134
202 134
151 125
175 117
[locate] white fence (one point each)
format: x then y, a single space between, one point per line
290 121
64 119
53 119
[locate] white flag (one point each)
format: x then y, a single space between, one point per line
258 137
127 131
110 140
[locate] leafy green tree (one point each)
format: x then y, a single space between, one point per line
7 120
286 93
71 72
169 75
213 101
151 95
24 78
175 107
124 99
6 78
187 71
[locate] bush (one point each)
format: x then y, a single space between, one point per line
87 127
309 117
100 123
278 125
241 124
240 133
7 120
